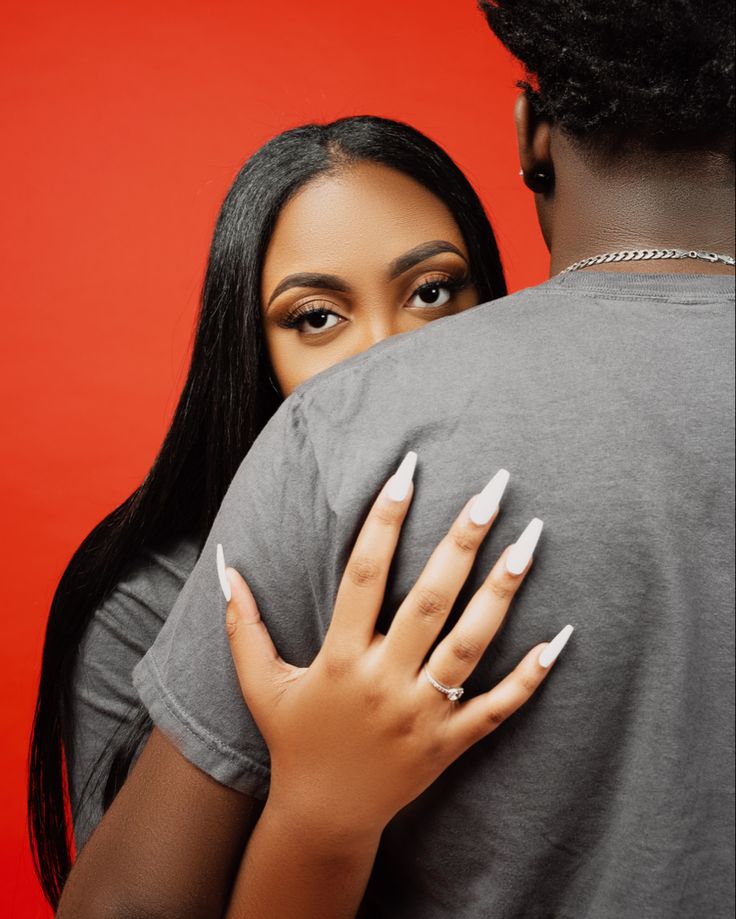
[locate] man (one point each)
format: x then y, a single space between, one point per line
608 393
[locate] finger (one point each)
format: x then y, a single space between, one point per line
424 611
457 655
257 662
363 584
482 715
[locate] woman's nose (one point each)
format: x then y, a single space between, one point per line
380 329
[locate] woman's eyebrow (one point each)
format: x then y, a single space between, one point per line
309 279
419 254
397 267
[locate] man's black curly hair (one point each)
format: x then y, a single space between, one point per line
659 73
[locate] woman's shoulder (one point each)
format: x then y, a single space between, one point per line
154 579
124 626
127 621
104 702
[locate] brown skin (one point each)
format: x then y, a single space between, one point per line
152 857
592 205
169 845
317 233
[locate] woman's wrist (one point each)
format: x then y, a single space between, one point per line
330 831
296 866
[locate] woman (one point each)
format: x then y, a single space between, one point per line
439 256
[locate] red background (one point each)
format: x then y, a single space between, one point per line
124 124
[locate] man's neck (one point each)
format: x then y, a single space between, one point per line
683 202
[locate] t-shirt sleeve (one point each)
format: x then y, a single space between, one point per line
271 516
105 706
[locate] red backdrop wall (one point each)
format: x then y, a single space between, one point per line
124 124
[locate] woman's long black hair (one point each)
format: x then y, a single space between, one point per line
226 401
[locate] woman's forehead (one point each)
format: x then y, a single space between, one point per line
366 214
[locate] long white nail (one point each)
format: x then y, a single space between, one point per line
224 583
522 550
398 485
553 649
486 504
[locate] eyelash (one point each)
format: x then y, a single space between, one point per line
453 284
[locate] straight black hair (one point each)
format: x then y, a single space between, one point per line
226 401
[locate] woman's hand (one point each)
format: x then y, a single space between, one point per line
363 731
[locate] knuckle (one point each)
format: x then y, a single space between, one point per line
363 571
387 514
375 699
404 724
338 665
231 623
499 588
466 650
464 539
495 717
528 683
430 604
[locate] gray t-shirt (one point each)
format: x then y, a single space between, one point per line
610 399
104 702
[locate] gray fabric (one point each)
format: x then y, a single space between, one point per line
104 702
609 397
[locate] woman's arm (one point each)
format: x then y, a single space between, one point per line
295 867
172 841
360 733
168 846
353 739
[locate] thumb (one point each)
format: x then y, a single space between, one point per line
256 660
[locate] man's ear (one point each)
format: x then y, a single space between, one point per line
534 143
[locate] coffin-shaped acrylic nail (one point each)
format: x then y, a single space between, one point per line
486 504
522 550
398 484
224 583
550 654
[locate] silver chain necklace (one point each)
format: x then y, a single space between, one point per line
637 255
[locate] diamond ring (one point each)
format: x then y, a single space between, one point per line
453 693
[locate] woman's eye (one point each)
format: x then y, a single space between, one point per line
434 293
317 321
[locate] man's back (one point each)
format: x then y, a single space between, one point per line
615 418
609 397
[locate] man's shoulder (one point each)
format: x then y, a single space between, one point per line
438 337
514 325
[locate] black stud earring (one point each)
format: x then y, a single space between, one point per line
538 181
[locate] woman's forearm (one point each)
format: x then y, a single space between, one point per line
293 867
